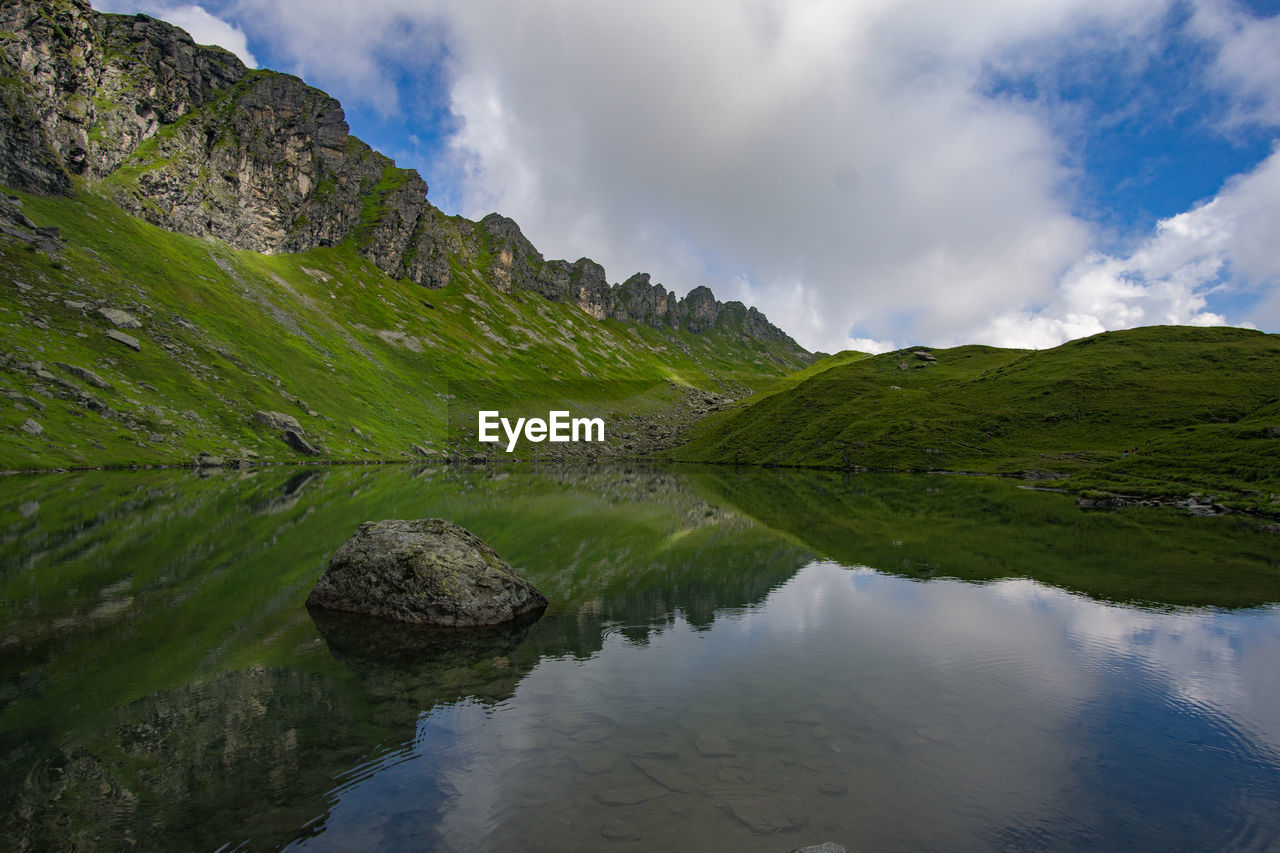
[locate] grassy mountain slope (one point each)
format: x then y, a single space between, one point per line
1202 406
362 361
315 283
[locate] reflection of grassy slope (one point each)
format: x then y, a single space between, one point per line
226 332
211 574
202 581
984 528
634 545
140 610
1197 403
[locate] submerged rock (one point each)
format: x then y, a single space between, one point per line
426 572
712 744
403 669
666 776
629 795
766 814
619 830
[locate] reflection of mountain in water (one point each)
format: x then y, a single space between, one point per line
175 602
981 528
257 748
162 684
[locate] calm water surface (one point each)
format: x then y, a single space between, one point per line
732 661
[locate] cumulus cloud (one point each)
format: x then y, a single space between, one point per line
374 53
203 27
1224 247
1247 63
206 29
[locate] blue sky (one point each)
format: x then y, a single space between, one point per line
870 174
1146 138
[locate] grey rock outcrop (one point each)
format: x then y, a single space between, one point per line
84 373
1110 503
121 319
295 439
128 340
516 265
290 431
276 420
259 159
429 572
86 88
16 224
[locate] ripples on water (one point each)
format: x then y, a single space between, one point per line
717 687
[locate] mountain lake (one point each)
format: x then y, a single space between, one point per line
733 659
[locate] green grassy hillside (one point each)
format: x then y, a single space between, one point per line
363 362
1202 407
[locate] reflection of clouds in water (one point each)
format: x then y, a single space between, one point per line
961 708
1220 661
1045 654
964 695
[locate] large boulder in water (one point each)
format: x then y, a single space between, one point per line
427 572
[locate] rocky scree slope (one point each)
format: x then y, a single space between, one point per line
187 138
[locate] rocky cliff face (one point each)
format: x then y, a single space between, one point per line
187 138
516 264
84 89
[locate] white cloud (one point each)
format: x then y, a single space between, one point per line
375 52
838 156
203 27
1247 65
870 345
206 29
1225 246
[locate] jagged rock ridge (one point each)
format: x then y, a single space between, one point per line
188 138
